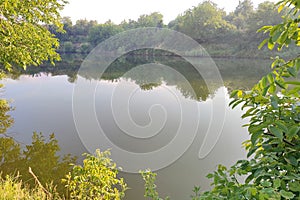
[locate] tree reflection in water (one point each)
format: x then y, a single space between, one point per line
41 155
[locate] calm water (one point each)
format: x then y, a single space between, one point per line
166 118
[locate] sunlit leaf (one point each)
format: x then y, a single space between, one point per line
293 131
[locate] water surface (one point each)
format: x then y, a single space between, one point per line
141 109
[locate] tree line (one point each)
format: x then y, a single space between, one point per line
221 34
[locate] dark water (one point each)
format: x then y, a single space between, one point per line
165 116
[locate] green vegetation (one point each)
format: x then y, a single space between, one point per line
272 170
220 33
96 179
41 156
24 36
150 187
12 188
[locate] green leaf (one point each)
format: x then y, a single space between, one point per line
270 44
294 186
266 183
277 132
210 176
292 71
274 102
292 160
249 178
272 89
293 82
265 90
281 125
255 136
283 37
264 28
293 131
264 82
253 191
233 101
273 29
270 78
263 43
233 93
251 151
280 84
276 183
287 195
249 112
237 103
267 147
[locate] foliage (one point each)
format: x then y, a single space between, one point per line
68 47
13 188
242 13
265 14
202 22
153 20
150 187
273 106
96 179
222 34
24 37
102 32
196 194
41 156
5 119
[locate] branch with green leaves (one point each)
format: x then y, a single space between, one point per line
24 37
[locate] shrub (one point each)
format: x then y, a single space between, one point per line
96 179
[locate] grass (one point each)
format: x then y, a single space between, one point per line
12 188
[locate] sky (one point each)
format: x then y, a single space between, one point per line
118 10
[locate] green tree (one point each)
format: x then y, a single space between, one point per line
102 32
273 106
242 13
265 14
203 22
80 31
153 20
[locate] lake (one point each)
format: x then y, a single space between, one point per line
152 112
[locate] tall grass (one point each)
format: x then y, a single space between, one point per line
13 188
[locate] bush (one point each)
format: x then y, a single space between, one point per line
96 179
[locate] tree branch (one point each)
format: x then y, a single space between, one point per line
39 184
284 140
